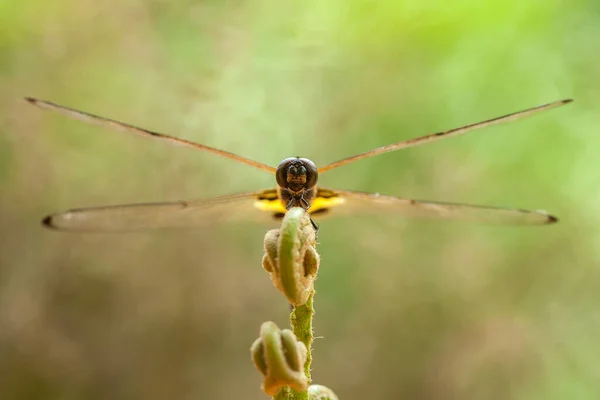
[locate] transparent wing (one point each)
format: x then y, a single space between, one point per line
439 135
178 214
123 127
343 202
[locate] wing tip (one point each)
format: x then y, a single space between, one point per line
549 219
48 223
38 102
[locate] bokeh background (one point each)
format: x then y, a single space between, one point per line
405 309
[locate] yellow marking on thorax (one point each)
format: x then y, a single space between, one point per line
325 203
319 203
274 206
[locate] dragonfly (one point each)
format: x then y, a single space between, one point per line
296 179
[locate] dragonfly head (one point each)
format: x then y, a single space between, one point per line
297 174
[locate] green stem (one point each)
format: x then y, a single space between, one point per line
284 357
301 320
293 262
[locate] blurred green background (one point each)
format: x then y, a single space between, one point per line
405 309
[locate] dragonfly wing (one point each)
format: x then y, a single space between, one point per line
124 127
344 202
440 135
177 214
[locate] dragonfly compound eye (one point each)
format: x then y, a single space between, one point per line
282 172
312 175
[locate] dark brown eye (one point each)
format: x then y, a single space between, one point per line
282 171
312 175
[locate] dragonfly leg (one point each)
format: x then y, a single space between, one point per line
306 207
314 225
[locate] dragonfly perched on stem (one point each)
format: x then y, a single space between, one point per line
296 179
